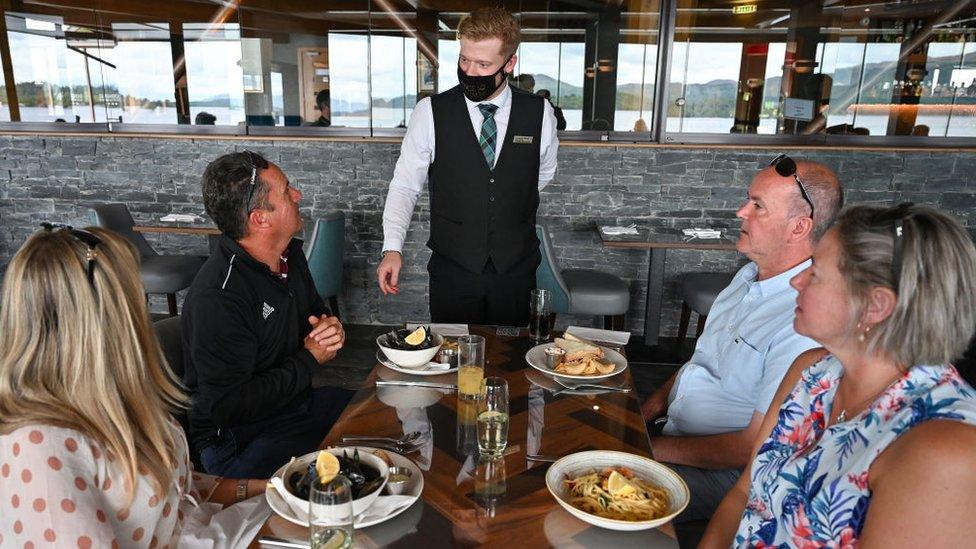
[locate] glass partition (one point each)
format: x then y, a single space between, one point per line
815 69
808 71
56 65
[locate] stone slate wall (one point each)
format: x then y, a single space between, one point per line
59 178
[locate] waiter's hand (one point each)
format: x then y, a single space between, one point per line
388 273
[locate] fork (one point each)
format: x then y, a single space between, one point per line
572 385
408 441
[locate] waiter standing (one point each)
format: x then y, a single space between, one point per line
486 148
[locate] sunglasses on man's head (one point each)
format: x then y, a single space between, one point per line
786 167
89 239
256 162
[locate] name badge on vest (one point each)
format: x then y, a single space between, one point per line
522 139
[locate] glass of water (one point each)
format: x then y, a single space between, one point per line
493 417
330 515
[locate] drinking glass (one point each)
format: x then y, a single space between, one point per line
493 417
540 319
330 515
471 366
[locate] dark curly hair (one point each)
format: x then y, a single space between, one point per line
226 183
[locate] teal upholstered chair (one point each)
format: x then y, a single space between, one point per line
580 291
325 257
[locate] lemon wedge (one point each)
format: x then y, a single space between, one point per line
326 466
619 485
416 337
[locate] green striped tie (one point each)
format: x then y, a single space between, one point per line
488 133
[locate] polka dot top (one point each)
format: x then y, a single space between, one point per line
58 487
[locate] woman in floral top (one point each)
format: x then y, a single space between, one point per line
89 454
874 444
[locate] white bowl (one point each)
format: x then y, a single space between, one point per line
365 456
411 359
653 472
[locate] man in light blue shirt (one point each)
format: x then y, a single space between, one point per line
715 403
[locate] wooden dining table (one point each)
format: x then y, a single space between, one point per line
464 501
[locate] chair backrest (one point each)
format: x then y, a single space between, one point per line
169 331
325 253
116 217
548 276
170 334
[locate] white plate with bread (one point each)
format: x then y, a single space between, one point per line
579 359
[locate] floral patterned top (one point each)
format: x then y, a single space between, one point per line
809 485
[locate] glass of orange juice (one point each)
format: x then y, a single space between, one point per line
471 365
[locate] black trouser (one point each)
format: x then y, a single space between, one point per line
489 297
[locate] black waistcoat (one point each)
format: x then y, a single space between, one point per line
477 213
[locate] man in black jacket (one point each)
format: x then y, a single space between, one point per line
254 328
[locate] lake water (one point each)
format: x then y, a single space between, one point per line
385 117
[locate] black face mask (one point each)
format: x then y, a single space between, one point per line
479 88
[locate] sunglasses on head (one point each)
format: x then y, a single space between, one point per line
786 167
256 162
87 238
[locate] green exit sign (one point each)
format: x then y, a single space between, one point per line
739 10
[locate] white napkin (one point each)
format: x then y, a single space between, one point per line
446 330
699 232
381 507
593 334
613 231
211 525
181 218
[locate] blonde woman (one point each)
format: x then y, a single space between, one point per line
89 454
874 442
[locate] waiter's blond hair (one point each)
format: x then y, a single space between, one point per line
492 22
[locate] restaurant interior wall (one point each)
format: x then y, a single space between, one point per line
59 178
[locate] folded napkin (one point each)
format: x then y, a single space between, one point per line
181 218
613 231
383 505
446 330
699 232
211 525
601 336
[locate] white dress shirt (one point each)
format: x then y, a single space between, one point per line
417 154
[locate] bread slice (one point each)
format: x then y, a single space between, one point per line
576 350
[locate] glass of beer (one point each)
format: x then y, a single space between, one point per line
540 319
493 417
330 515
471 366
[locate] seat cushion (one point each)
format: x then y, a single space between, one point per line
596 293
699 290
168 274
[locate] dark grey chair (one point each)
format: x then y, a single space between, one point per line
169 331
698 293
579 291
161 274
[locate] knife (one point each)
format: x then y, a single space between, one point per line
279 542
406 383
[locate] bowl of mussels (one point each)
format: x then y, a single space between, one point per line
410 348
367 473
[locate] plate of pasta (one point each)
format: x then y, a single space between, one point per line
617 490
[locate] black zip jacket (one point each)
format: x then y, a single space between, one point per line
243 333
